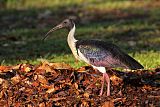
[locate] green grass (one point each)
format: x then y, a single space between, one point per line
130 24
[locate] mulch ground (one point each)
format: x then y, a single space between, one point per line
58 84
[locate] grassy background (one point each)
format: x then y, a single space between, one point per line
132 25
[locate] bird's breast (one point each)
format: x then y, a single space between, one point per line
82 57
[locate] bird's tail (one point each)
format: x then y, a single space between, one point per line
132 63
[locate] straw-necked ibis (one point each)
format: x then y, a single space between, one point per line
97 53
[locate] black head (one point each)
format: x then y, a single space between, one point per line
67 23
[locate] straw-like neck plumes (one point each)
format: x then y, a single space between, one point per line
71 41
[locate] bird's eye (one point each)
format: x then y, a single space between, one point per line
65 22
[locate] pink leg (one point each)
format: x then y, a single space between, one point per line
108 83
101 92
105 77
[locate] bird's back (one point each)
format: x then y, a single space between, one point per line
100 53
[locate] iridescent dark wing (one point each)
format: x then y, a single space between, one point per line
99 53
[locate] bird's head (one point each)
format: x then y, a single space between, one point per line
67 24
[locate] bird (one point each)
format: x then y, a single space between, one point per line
97 53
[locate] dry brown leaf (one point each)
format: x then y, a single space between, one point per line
84 104
35 83
5 84
116 80
16 66
16 79
29 105
5 68
42 105
51 89
1 80
119 99
40 71
57 99
108 104
60 66
27 82
22 89
29 91
3 103
41 79
45 66
1 93
86 95
82 69
46 86
25 68
76 85
17 104
147 87
77 92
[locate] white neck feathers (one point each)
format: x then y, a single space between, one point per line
71 42
71 35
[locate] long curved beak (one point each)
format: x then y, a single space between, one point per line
53 29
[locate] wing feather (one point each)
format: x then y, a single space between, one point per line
99 53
